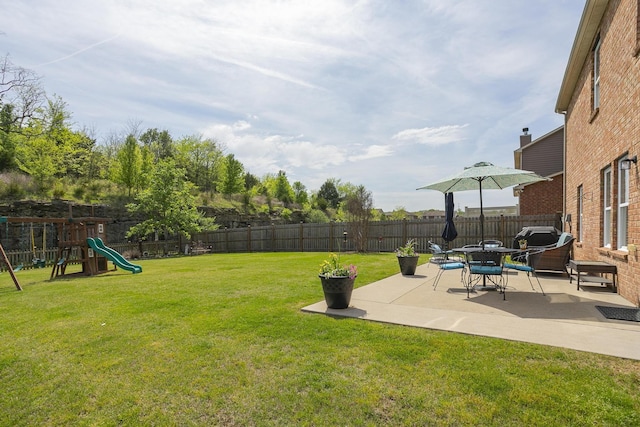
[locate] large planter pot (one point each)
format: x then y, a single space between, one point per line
408 264
337 291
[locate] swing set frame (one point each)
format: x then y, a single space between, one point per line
71 233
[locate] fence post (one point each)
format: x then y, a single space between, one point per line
301 236
226 239
273 237
331 232
249 237
404 230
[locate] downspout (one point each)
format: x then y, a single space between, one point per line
564 172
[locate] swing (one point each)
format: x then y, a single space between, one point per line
38 262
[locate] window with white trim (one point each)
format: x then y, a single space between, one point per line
596 75
623 205
606 214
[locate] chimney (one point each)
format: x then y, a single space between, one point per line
526 138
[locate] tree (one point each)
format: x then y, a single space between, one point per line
399 213
74 148
21 97
36 156
159 142
250 181
329 192
146 168
300 193
201 159
232 179
7 139
20 88
283 190
358 206
128 164
169 205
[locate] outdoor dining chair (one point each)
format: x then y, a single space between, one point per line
447 266
485 265
440 256
526 261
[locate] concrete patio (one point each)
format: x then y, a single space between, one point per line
563 317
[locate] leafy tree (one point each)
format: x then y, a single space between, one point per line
36 156
250 181
399 213
283 190
7 139
128 164
159 143
300 193
316 216
232 179
146 168
169 205
74 147
329 192
201 159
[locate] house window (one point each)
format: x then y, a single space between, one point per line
596 75
579 218
606 215
623 205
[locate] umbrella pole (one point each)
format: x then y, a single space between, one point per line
484 277
481 216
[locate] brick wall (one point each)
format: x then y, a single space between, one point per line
597 140
542 197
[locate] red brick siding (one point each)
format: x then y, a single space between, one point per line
542 198
597 141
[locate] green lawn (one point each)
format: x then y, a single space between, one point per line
220 340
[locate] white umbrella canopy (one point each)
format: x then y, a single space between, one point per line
484 175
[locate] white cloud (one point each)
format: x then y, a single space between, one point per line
432 136
373 152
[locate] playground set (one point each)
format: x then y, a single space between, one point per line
79 241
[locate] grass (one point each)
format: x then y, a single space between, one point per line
220 340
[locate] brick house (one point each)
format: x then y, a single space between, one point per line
600 100
544 156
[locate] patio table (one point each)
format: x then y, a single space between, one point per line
484 269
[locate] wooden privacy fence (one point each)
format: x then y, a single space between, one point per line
382 236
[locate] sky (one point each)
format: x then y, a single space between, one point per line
392 95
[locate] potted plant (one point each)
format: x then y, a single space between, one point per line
408 258
337 281
522 243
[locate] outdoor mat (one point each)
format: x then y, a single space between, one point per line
620 313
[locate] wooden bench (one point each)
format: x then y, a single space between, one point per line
592 272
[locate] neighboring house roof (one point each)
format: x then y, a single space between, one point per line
587 30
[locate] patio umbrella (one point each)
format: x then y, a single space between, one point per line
449 233
484 175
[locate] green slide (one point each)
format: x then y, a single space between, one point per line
112 255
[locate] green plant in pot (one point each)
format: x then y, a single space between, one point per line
337 281
408 258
